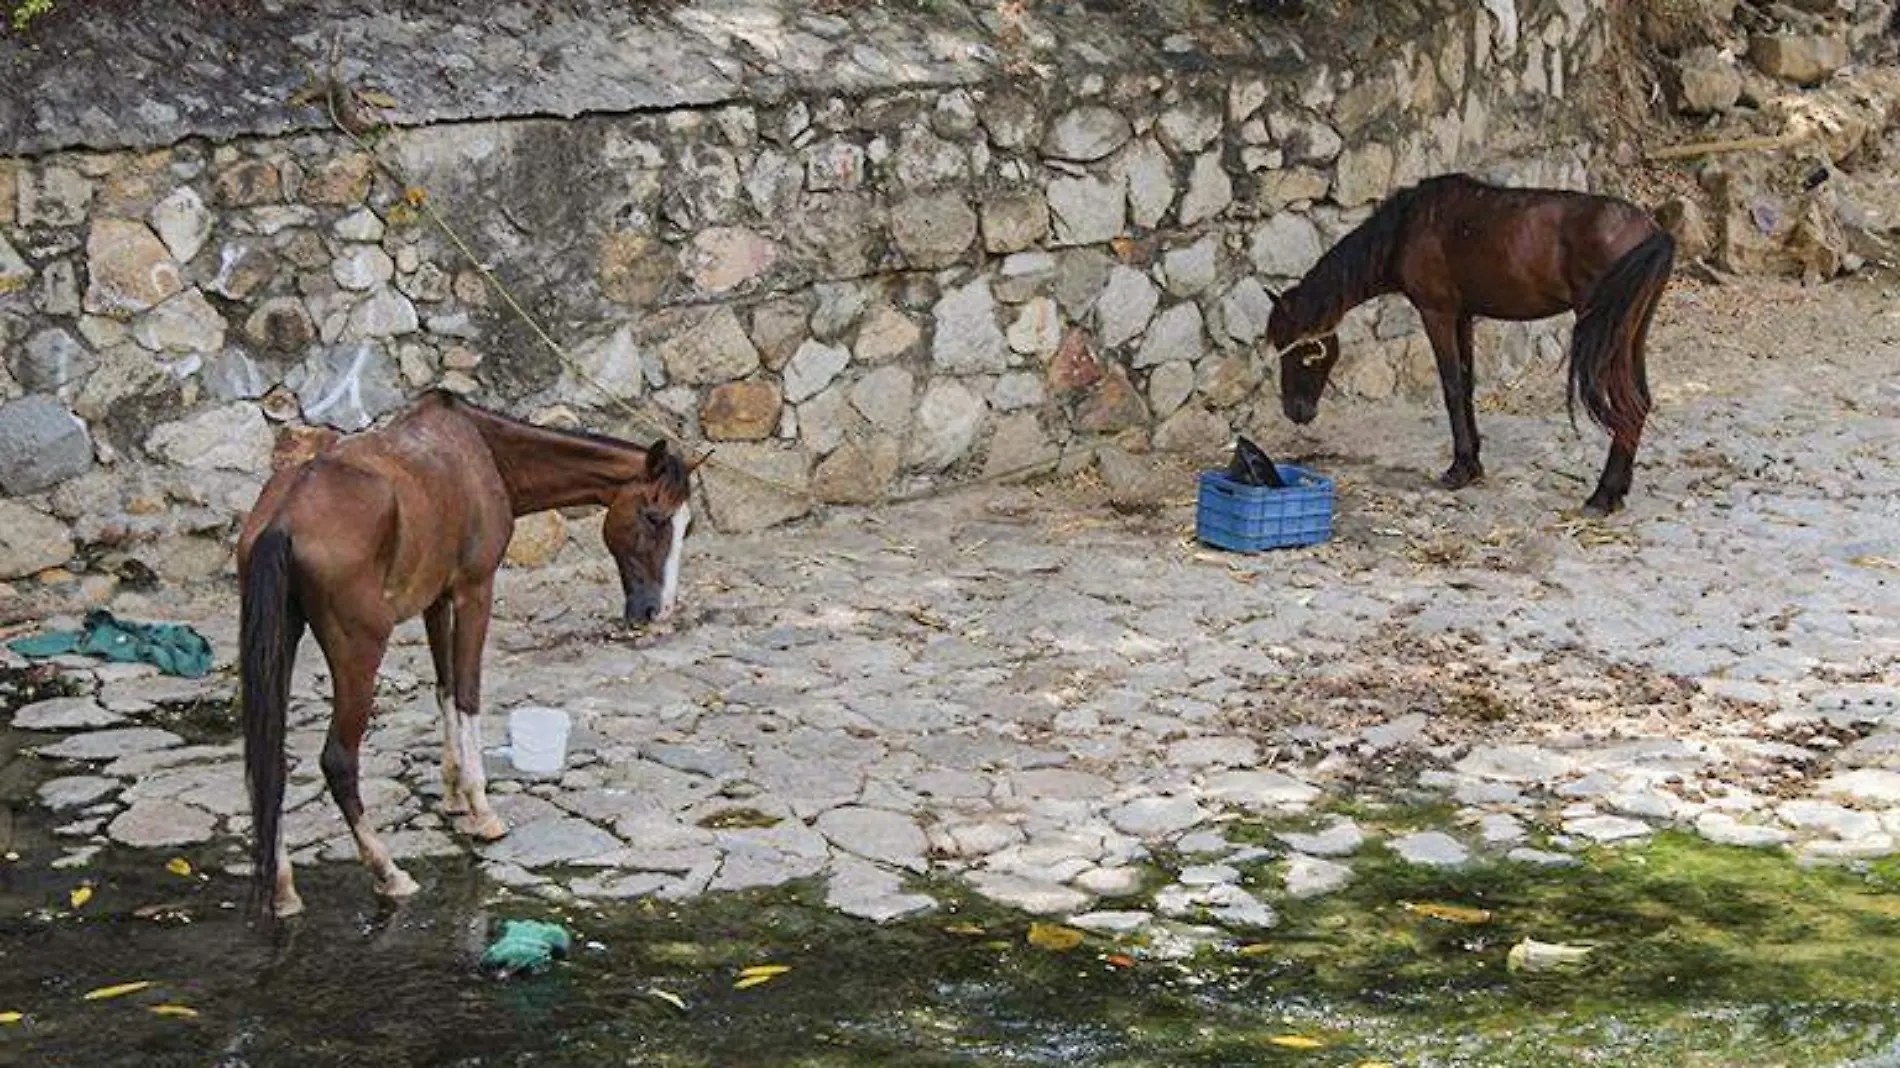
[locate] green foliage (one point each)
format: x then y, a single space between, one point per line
23 12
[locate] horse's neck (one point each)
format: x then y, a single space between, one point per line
546 468
1341 290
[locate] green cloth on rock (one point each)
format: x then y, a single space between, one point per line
174 648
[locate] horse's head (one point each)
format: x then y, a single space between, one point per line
1307 352
646 531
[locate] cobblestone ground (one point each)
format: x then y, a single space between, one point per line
1035 692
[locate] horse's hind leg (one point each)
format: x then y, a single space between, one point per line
353 658
1450 336
1619 469
472 607
439 618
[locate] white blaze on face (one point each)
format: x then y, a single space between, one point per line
670 577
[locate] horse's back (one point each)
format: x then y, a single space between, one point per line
415 505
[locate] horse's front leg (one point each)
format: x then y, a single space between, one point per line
472 608
439 619
1450 336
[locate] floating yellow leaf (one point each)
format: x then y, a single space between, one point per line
751 981
669 997
1296 1042
1254 949
178 866
81 895
763 971
965 929
11 1017
1449 913
185 1011
119 990
1054 936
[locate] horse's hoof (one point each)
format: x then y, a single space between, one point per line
1457 477
399 884
1593 510
488 829
454 806
286 907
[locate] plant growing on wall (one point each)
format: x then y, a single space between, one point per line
23 12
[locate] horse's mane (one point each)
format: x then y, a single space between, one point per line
672 466
1359 267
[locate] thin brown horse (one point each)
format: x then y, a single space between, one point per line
414 519
1459 249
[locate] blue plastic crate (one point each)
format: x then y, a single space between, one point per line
1242 518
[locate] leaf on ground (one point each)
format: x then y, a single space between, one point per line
116 990
80 895
1296 1042
751 981
1449 913
1254 949
376 98
178 866
1054 937
669 997
11 1017
1530 955
971 929
765 970
183 1011
1120 960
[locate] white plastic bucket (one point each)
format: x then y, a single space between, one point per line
537 739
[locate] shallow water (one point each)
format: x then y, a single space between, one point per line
1702 956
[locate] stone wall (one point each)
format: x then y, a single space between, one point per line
859 281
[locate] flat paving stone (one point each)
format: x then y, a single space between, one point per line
111 744
65 714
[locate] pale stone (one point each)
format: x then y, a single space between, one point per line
182 222
933 230
1037 329
883 397
947 420
725 258
740 502
30 541
129 269
713 349
1209 190
1085 211
967 339
1127 303
1086 133
1144 169
1285 246
235 437
1175 335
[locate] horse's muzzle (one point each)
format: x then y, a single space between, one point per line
643 607
1300 410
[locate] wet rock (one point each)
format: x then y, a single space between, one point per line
1112 922
1153 817
1431 849
875 834
76 791
1311 876
1259 790
158 823
1605 830
1110 881
1342 838
871 893
555 840
64 714
1541 858
770 857
1034 896
1724 829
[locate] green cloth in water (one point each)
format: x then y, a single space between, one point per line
173 647
526 946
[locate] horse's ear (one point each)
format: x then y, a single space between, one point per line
656 459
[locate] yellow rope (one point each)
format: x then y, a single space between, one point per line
639 416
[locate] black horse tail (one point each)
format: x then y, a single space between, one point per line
269 627
1606 371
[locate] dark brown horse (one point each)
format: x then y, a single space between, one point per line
1458 249
414 519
